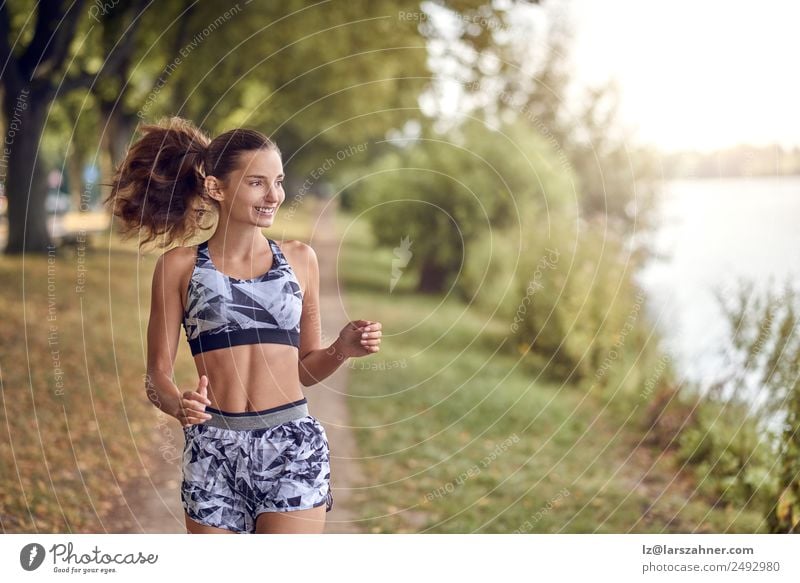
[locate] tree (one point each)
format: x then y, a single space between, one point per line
444 191
618 180
324 80
34 75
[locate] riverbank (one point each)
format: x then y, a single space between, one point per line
457 438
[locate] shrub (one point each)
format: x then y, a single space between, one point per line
730 456
579 311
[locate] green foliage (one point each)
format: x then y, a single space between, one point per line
729 453
309 76
766 356
784 514
619 179
735 441
764 349
440 397
564 286
448 193
488 277
581 313
616 178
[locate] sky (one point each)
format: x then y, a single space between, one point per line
701 74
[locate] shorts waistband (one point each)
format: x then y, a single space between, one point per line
245 420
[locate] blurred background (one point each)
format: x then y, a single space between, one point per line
574 220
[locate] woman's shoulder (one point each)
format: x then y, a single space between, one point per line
297 252
176 262
294 246
178 256
174 269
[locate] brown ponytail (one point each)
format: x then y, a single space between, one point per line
158 188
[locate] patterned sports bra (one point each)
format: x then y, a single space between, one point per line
223 311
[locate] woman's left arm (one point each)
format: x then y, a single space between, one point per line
357 338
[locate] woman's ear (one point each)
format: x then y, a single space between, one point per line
213 188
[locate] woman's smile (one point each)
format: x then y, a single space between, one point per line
267 211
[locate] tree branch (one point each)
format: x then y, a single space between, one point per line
116 58
48 50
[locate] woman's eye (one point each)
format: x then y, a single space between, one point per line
259 183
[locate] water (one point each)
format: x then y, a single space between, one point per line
715 231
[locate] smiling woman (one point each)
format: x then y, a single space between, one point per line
255 459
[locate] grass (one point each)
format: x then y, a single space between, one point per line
457 437
78 428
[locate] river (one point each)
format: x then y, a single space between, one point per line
714 231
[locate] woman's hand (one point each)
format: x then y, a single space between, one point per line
193 404
360 338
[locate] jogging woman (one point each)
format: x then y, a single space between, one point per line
255 460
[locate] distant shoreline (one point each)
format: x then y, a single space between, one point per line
740 161
729 176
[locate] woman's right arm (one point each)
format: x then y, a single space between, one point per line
163 335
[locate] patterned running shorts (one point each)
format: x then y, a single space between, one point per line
238 465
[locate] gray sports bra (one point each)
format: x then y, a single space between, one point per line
223 311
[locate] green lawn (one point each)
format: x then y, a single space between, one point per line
457 437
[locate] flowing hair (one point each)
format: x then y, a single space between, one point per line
159 190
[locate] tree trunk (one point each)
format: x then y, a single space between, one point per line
26 186
115 141
119 128
76 186
431 278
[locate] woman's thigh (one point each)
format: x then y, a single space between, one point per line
194 527
311 521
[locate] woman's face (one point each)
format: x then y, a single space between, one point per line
254 191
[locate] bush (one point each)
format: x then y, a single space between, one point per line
731 457
579 312
488 278
447 193
668 416
742 440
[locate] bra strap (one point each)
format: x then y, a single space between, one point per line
202 253
277 251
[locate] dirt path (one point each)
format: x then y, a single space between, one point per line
328 400
152 504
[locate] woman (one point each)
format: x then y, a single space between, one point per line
255 459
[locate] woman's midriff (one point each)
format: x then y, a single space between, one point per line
251 377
